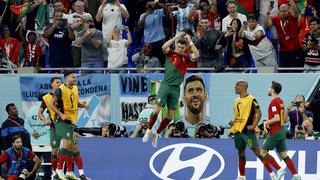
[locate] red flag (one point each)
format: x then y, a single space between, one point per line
21 10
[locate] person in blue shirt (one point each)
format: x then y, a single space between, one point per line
298 115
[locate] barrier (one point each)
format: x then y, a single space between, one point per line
185 159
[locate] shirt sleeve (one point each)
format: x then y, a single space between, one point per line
4 157
275 108
255 104
31 155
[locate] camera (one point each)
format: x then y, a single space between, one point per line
179 131
209 131
245 25
91 26
175 8
97 131
199 7
117 131
23 174
297 103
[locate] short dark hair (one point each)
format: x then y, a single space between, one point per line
252 16
183 41
205 1
231 2
314 19
54 78
276 86
193 78
8 106
15 137
67 73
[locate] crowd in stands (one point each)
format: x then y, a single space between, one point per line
116 33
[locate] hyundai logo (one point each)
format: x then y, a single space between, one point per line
199 163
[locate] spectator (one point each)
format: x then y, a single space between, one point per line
311 46
232 9
237 53
151 21
206 40
12 126
260 47
305 130
60 37
298 115
32 50
146 59
111 12
76 23
181 14
90 40
18 166
304 21
176 130
140 130
264 6
205 9
117 48
287 27
11 46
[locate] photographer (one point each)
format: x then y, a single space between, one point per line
143 118
90 40
140 130
17 159
177 130
298 115
305 130
208 131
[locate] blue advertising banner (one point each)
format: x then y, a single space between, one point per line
186 159
88 85
94 89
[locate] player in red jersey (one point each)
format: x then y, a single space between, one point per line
276 133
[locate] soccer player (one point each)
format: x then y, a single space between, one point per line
67 98
276 133
247 114
169 91
54 140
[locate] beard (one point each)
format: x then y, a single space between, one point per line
195 109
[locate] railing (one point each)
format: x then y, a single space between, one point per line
115 70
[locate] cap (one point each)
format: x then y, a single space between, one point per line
151 97
87 17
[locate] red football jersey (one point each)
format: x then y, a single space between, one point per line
276 106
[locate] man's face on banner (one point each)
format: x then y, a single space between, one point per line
195 97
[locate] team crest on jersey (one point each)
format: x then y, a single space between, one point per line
68 134
274 109
54 142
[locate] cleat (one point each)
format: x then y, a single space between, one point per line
241 178
296 177
280 173
155 140
147 136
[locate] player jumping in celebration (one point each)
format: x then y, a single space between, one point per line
247 114
277 133
54 140
169 91
67 98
